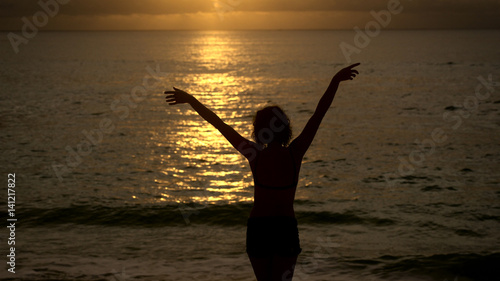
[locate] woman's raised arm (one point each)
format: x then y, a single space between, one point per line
241 144
304 140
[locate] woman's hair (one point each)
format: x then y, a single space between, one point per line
271 124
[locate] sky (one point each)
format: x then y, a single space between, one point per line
245 14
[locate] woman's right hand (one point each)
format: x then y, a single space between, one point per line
178 96
347 73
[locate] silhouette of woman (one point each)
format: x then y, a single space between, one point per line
272 234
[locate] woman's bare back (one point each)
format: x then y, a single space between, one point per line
275 170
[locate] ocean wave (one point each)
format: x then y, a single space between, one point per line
182 214
456 266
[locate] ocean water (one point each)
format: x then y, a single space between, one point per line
401 182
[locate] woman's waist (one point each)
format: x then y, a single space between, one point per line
272 211
272 224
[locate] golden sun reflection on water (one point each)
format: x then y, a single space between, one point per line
205 169
202 166
214 50
213 167
199 165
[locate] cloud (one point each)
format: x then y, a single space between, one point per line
251 14
365 5
17 8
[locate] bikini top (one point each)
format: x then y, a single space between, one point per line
292 185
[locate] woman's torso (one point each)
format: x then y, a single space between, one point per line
275 171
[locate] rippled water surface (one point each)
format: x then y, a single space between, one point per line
401 182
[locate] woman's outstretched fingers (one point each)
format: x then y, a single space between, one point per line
354 72
354 65
347 73
177 97
170 97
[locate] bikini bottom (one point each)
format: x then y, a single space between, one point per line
272 236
